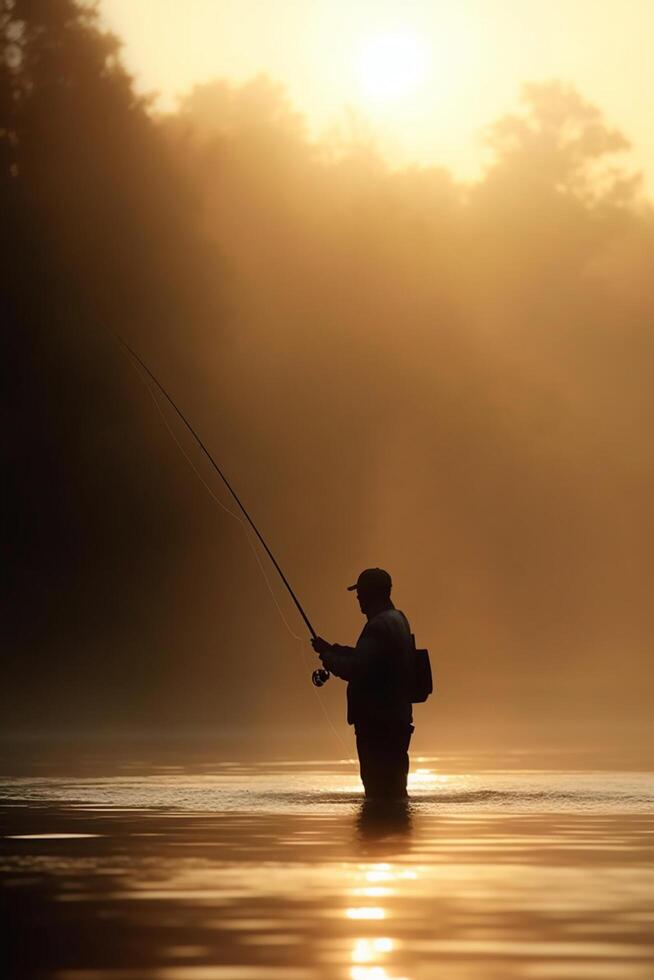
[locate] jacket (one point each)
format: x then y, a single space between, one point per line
377 670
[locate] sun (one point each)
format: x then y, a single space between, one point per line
392 65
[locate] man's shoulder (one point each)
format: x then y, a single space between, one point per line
392 619
388 621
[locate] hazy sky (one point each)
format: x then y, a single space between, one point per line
429 73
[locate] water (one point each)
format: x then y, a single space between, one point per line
260 872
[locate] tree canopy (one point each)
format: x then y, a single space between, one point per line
401 369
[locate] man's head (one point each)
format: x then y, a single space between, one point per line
373 589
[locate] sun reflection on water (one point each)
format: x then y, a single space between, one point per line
368 952
372 973
366 912
422 778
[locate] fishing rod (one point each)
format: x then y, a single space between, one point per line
320 676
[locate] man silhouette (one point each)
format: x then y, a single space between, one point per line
378 671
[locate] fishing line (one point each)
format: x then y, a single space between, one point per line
231 513
220 503
222 477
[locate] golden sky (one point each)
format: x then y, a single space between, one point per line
429 74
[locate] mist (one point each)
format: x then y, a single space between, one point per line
448 380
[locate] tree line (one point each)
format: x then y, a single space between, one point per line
448 378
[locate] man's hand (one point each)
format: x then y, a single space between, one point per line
320 645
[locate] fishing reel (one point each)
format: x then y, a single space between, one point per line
320 677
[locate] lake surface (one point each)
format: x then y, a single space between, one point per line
279 872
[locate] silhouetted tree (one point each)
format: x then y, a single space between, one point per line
562 144
99 233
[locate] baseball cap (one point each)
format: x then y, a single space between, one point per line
372 580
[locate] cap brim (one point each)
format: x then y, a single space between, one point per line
351 588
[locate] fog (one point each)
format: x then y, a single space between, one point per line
448 380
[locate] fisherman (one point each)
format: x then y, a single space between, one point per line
378 692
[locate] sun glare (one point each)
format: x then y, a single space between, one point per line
392 65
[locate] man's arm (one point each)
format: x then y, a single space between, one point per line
335 656
339 660
351 663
